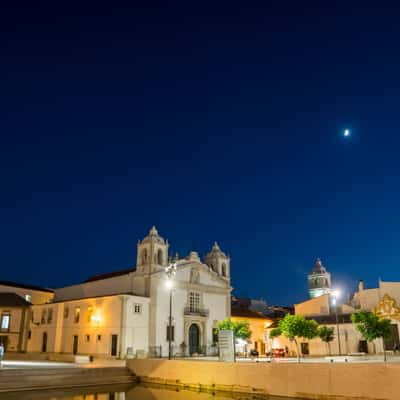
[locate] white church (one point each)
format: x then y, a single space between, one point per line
127 313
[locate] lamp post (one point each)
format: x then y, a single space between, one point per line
170 272
335 295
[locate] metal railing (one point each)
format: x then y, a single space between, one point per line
196 311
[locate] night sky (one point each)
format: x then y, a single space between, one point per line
212 121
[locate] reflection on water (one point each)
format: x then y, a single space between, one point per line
138 392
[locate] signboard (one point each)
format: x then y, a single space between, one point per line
226 348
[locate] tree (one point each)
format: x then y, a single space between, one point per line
372 327
294 327
241 329
326 334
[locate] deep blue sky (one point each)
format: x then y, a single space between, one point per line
212 121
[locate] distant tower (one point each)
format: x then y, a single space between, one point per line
319 280
152 252
218 261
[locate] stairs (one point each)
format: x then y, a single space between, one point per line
54 378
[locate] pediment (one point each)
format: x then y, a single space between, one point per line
198 273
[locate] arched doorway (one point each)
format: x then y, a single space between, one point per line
194 339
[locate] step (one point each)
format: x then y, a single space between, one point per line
17 379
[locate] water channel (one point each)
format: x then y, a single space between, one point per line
125 392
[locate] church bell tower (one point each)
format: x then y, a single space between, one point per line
319 280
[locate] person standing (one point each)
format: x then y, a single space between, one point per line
1 354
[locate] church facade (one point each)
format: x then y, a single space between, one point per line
127 313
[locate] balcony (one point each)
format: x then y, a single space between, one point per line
202 312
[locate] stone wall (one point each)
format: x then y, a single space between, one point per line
308 381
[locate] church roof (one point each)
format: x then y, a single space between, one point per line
108 275
24 286
153 236
12 300
216 251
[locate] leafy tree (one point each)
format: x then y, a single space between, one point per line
241 329
275 333
294 327
372 327
327 334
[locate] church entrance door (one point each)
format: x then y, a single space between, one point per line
194 339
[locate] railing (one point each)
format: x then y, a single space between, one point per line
202 312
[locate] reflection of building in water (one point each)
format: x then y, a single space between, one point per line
126 313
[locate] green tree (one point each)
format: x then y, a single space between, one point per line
294 327
241 329
327 334
372 327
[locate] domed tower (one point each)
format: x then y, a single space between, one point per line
319 280
152 252
218 261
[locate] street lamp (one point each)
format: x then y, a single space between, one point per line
170 272
335 295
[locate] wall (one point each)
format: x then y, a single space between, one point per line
95 327
311 381
16 332
316 306
258 327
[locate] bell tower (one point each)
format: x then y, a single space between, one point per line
218 261
319 280
152 252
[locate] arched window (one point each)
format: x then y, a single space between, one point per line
223 269
144 256
160 257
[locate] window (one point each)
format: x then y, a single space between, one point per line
99 338
194 302
77 314
172 333
49 315
28 298
215 335
29 334
160 257
33 316
66 312
144 256
5 321
137 308
88 338
43 319
89 313
223 270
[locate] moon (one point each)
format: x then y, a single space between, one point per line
346 132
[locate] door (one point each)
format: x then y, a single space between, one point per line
363 346
305 349
75 345
44 342
4 340
392 342
114 344
194 339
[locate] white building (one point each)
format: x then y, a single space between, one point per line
126 313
